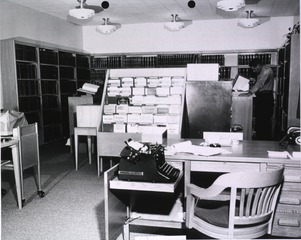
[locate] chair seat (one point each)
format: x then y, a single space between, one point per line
213 212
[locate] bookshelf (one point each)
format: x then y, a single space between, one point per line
39 80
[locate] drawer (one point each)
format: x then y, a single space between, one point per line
287 225
292 186
290 201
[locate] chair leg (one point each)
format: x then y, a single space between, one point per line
89 140
76 150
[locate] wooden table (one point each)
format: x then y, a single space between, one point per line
247 155
14 145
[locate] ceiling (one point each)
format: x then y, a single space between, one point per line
147 11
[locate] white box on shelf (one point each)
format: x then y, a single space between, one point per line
203 72
153 134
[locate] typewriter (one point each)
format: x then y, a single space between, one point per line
145 162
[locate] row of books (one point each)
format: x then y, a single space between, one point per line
28 88
247 58
26 71
26 53
176 60
30 104
220 59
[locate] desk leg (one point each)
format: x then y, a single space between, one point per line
76 149
89 141
17 172
187 177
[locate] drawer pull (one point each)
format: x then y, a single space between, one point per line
288 178
289 201
289 222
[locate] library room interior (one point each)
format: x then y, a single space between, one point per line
150 120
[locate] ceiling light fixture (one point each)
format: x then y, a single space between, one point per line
249 22
191 4
105 28
81 12
174 25
230 5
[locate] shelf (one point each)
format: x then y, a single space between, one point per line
145 186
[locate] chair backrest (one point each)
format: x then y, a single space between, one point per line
257 193
28 144
88 115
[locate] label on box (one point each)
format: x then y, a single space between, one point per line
140 81
114 82
173 119
173 128
154 82
146 118
162 100
176 90
162 91
138 91
174 109
160 119
120 118
174 99
125 91
127 81
149 100
180 81
109 108
119 128
149 109
137 100
165 81
113 91
108 118
134 118
135 109
122 108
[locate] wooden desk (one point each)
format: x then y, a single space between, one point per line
14 145
246 155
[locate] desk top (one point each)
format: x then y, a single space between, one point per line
245 151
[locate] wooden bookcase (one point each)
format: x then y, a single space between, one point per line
39 80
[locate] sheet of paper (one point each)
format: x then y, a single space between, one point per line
241 84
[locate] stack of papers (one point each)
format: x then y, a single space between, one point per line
188 147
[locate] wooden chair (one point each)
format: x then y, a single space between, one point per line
236 206
29 154
87 117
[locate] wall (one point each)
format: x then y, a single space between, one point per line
19 21
217 35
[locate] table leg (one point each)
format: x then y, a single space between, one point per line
89 140
76 149
17 171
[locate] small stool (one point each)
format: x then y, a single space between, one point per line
89 132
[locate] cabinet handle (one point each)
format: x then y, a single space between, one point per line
289 201
289 222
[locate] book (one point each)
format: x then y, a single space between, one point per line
89 88
241 84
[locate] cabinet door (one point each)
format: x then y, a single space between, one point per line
208 108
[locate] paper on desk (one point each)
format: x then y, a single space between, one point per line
188 147
278 154
241 84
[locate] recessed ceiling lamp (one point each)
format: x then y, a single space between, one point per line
174 25
105 28
230 5
81 12
249 22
